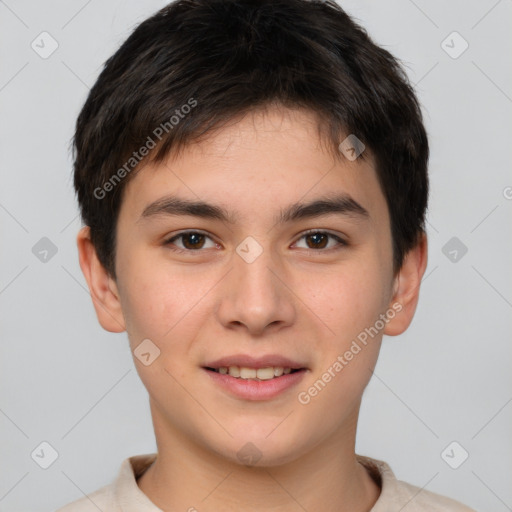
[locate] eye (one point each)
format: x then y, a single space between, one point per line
319 239
192 241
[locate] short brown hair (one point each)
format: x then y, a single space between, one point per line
197 64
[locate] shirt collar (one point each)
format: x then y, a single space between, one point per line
127 495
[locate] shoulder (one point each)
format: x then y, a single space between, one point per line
121 491
422 500
102 499
397 495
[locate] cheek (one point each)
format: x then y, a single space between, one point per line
352 300
152 301
164 303
351 304
157 308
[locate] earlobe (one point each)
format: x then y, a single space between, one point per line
102 287
407 288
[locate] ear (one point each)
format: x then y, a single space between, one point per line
407 288
102 286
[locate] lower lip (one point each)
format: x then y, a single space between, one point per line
250 389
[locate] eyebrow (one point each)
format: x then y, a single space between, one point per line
340 204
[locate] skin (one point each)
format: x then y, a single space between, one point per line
301 298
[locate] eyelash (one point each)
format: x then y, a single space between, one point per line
169 242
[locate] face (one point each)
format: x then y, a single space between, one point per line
268 282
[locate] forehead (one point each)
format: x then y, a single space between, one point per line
257 164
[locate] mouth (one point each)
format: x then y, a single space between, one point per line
255 378
248 373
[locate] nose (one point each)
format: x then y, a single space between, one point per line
255 295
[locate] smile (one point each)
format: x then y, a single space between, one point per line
255 383
244 372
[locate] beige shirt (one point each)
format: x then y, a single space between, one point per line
123 494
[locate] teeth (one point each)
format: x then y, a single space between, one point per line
243 372
234 371
247 373
265 373
278 371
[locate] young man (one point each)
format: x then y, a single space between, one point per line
253 180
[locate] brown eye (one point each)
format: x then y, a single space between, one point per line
320 240
193 240
190 241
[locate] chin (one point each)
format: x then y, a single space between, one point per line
261 449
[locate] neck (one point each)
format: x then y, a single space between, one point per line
188 476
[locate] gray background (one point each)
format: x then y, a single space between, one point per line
67 382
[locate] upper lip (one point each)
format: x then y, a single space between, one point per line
255 362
